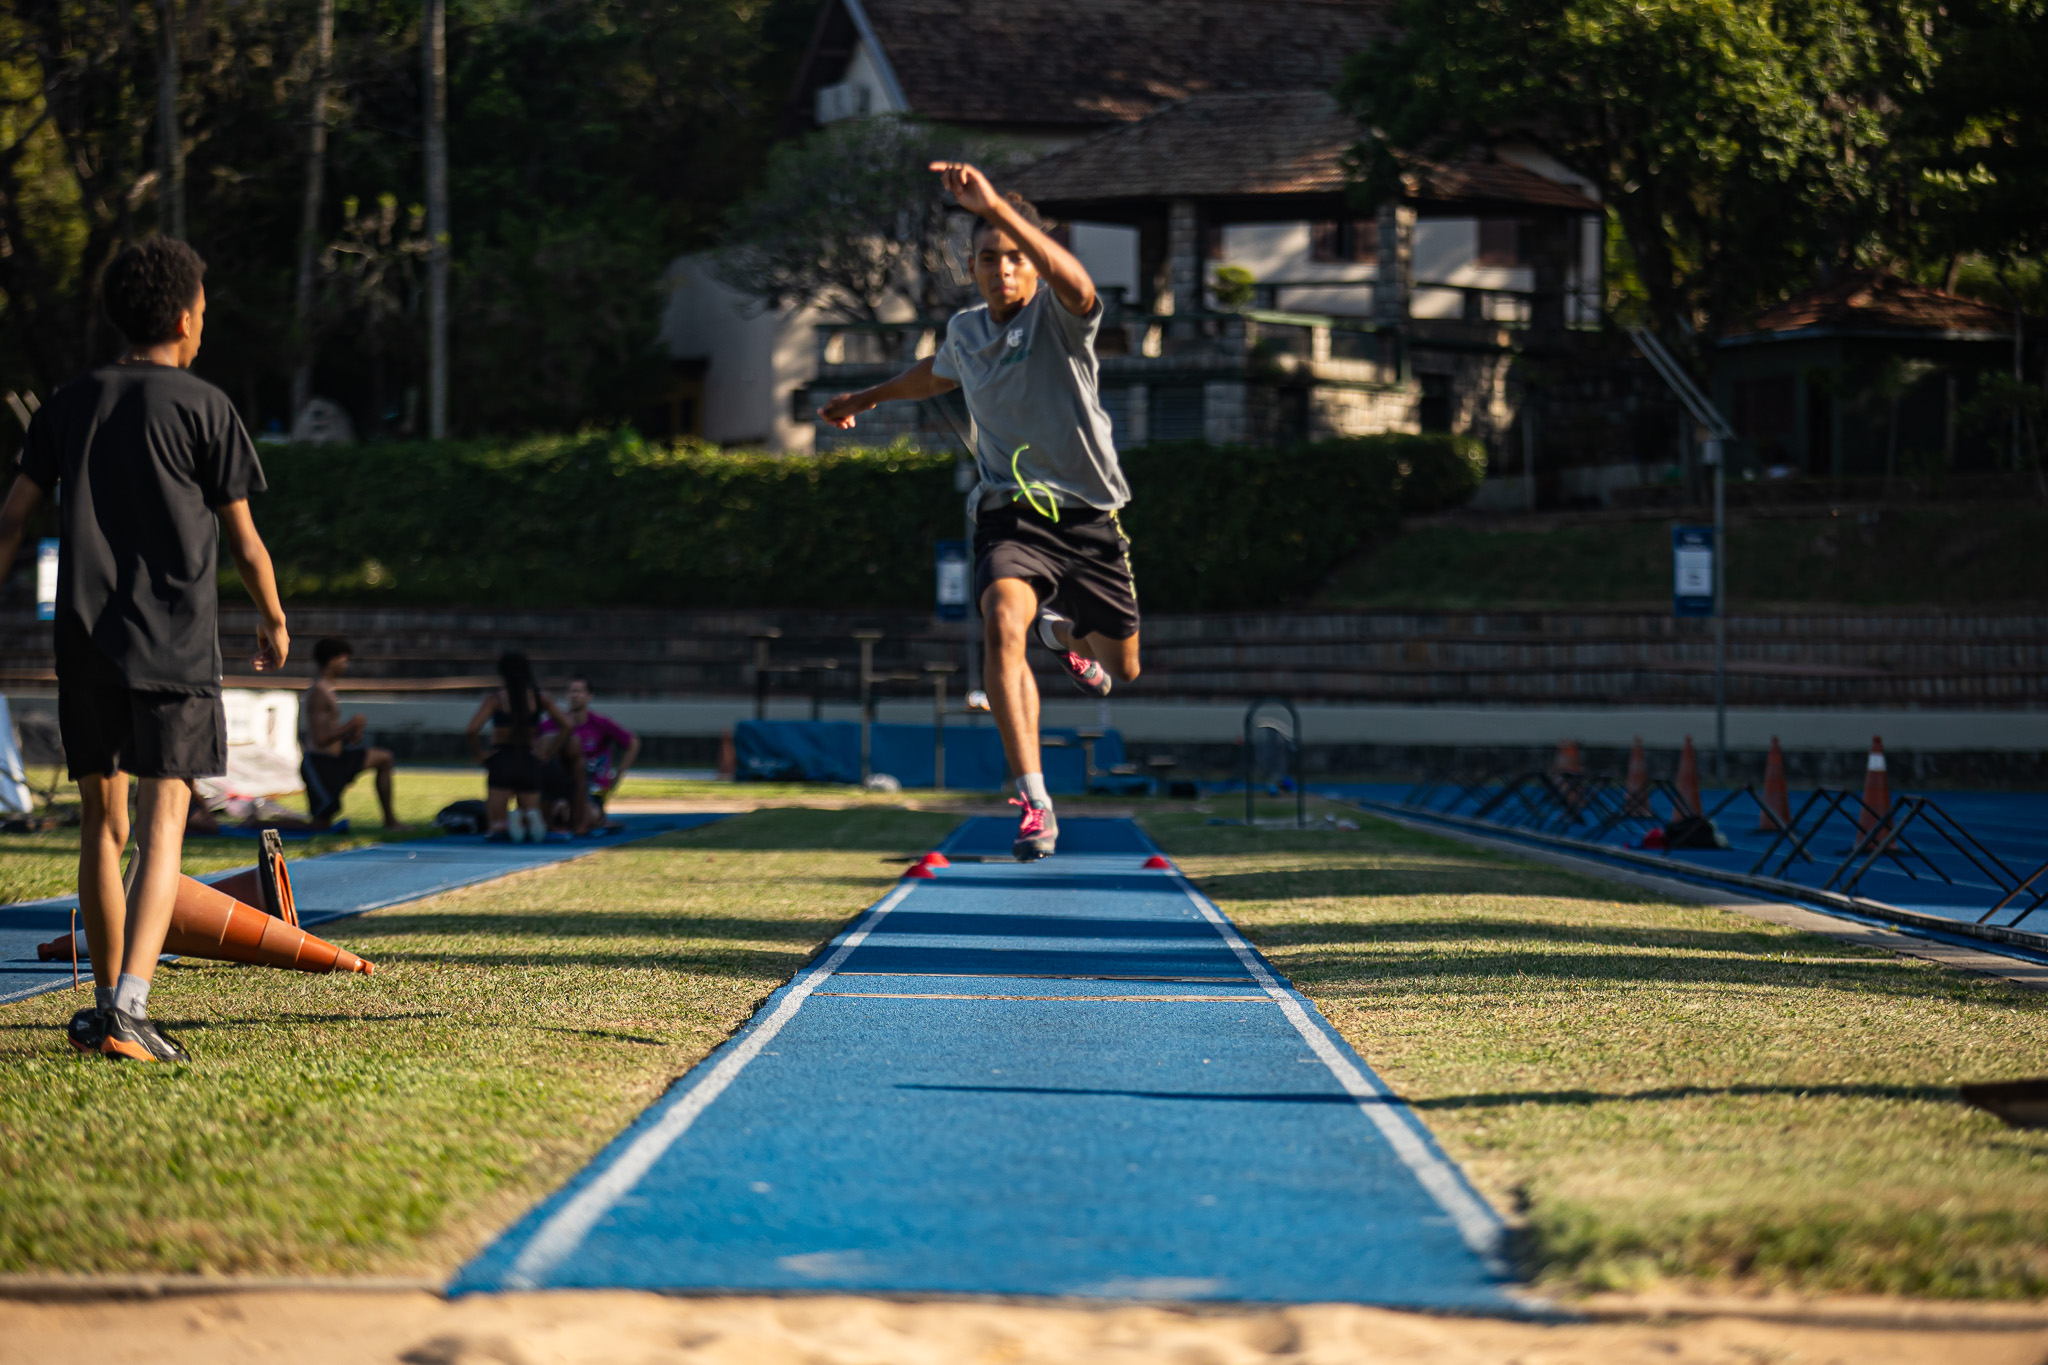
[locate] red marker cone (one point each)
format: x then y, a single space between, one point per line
1567 761
936 859
728 759
1157 863
1637 790
207 922
919 872
1777 812
1877 790
1688 783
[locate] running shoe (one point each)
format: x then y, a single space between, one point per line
87 1029
1037 832
1088 675
139 1040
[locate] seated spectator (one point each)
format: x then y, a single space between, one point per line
334 750
603 749
513 763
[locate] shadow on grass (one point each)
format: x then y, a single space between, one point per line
1453 931
892 829
749 964
1457 879
387 925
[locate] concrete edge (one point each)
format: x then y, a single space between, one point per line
30 1288
2030 975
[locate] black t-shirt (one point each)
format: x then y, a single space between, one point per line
139 455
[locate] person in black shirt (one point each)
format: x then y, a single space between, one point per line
142 457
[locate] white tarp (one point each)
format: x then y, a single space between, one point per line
263 746
15 798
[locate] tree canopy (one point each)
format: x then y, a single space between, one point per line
589 142
1743 147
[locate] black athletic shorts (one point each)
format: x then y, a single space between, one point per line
327 776
554 782
1080 565
109 727
513 768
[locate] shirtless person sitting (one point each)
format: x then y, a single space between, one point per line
334 751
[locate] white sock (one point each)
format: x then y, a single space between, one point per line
131 996
1031 787
536 826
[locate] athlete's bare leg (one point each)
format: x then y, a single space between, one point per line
1009 612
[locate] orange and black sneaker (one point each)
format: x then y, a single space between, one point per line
139 1040
87 1029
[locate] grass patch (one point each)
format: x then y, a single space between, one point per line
1657 1090
390 1124
1983 556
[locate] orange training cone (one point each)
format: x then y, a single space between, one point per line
267 886
1777 811
1688 783
1567 760
1877 789
207 922
1637 790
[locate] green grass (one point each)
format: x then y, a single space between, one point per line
391 1123
1655 1090
1978 557
1648 1090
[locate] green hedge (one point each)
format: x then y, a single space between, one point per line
608 520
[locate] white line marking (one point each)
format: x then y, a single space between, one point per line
1476 1223
561 1234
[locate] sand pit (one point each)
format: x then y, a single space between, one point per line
352 1327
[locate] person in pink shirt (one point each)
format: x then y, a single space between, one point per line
592 767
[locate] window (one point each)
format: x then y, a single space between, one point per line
1212 241
1356 239
1435 413
1500 242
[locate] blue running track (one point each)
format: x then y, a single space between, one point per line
329 887
1070 1077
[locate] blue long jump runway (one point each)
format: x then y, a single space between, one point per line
1070 1077
329 887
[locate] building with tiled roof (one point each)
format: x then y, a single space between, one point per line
1867 374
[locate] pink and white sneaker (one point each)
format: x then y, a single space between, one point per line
1037 832
1088 675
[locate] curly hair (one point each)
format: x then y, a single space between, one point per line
1025 210
149 285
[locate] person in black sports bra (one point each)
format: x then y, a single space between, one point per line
512 768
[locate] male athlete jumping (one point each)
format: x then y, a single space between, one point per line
1049 553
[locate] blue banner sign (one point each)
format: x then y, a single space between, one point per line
952 585
1692 570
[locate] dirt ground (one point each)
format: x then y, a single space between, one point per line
358 1327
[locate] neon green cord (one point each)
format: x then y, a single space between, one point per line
1051 510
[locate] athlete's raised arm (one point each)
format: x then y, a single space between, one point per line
1056 265
916 382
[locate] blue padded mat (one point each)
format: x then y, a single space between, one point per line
1065 1078
332 886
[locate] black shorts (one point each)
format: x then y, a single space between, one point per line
513 768
554 782
327 776
1080 565
109 727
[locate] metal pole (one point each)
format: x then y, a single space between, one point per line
1716 453
867 640
939 672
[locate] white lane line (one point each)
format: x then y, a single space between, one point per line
1477 1224
556 1239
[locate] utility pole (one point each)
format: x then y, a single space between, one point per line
434 58
309 209
170 134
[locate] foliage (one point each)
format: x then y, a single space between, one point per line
1233 286
1740 144
590 142
604 520
852 220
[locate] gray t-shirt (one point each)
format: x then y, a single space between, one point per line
1032 382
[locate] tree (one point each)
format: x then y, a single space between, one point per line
852 220
1742 145
317 87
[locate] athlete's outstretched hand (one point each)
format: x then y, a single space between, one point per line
843 408
967 185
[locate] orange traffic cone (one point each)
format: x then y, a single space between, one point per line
1688 783
207 922
1877 790
267 886
1567 760
1638 788
1777 811
728 759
